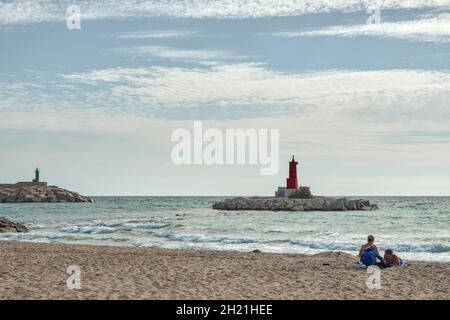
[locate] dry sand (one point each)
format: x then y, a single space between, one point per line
38 271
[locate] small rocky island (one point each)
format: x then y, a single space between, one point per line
294 204
37 191
293 197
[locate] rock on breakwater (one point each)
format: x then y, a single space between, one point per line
289 204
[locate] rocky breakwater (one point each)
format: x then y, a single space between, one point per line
290 204
39 193
9 226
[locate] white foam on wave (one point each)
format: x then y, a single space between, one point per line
207 238
139 225
88 229
273 248
353 246
113 227
324 244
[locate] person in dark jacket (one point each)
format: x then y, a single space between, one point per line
370 256
370 244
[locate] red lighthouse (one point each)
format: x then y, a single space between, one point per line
292 181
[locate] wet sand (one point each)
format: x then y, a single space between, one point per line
39 271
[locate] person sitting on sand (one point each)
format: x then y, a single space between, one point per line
369 244
391 259
370 256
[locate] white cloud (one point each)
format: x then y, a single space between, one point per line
428 28
240 90
164 52
31 11
253 84
157 34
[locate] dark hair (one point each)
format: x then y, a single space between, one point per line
370 238
388 251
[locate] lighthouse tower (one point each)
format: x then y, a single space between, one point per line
36 175
292 181
292 189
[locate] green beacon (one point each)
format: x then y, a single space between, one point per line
36 175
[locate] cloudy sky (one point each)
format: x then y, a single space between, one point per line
365 108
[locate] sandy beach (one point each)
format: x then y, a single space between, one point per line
38 271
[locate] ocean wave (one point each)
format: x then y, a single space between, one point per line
307 244
324 245
207 238
151 229
113 227
88 229
138 225
429 247
400 247
47 237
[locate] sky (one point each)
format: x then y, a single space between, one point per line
364 108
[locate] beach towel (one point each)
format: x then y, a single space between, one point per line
359 265
402 263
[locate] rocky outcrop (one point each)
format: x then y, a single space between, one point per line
290 204
39 193
9 226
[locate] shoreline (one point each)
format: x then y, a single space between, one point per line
39 271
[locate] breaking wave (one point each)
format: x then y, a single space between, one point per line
88 229
113 227
320 245
138 225
210 238
401 247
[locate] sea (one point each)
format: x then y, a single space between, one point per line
416 228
